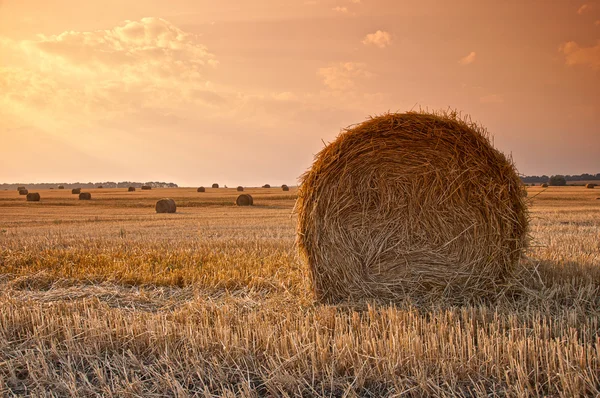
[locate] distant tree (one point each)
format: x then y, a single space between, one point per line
557 181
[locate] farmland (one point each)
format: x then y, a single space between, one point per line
107 298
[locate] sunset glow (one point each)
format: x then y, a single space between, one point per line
246 92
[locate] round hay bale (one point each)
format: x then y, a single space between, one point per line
100 187
85 196
544 185
266 186
201 189
240 189
33 197
590 186
411 204
244 200
23 191
285 188
146 188
75 191
131 189
20 188
61 187
166 205
215 185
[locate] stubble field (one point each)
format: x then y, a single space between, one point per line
107 298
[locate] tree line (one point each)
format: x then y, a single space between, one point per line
105 184
568 178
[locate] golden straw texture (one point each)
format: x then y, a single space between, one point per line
411 204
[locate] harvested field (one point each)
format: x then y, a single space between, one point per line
108 298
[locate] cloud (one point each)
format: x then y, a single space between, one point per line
342 77
468 59
577 55
581 10
380 39
343 10
149 47
492 99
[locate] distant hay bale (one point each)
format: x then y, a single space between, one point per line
61 187
131 189
33 197
544 185
244 200
20 188
85 196
215 185
75 191
23 191
201 189
285 188
590 186
411 204
166 205
266 186
100 187
240 189
146 187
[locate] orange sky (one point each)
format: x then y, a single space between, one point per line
245 92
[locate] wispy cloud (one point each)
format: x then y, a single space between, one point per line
577 55
343 10
468 59
342 76
581 10
380 39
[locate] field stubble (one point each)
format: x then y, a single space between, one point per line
107 298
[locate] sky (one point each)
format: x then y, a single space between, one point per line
247 92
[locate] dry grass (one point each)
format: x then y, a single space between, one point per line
411 204
108 299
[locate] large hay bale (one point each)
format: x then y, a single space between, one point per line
215 185
75 191
244 200
544 185
23 191
166 205
33 197
61 187
411 204
590 186
285 188
85 196
131 189
240 189
146 188
201 189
